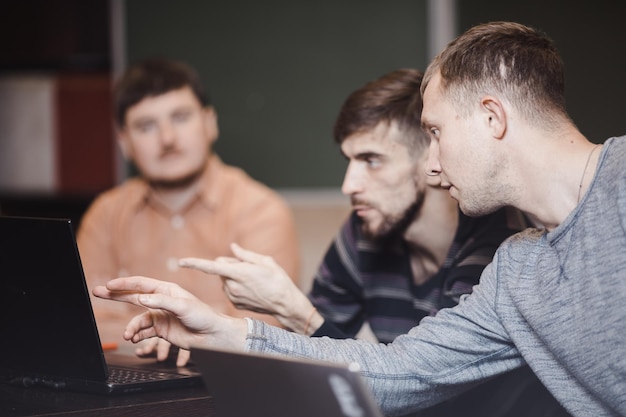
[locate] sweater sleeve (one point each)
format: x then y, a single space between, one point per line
443 356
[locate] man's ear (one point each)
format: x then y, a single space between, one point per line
495 116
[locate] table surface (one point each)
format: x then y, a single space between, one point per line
40 401
193 401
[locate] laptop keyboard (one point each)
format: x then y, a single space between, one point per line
119 375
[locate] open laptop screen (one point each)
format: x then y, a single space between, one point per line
46 322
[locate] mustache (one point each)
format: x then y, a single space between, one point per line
171 150
360 202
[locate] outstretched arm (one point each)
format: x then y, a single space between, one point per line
442 355
256 282
173 314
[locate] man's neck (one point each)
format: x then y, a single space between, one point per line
430 236
176 197
551 196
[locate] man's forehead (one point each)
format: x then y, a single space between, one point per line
172 99
384 139
184 93
383 133
429 98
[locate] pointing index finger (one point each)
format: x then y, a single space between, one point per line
223 267
250 256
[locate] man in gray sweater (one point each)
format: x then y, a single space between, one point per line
553 298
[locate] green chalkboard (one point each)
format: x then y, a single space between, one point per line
279 70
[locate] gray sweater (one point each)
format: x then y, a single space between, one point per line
556 301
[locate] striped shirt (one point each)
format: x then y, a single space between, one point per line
361 281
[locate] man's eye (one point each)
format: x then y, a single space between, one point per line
181 116
373 162
434 132
146 127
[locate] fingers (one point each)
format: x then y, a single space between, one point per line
136 284
204 265
140 328
163 349
227 259
183 357
101 291
119 287
229 268
214 266
147 348
140 290
176 305
252 257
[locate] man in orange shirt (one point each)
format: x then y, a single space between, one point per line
185 202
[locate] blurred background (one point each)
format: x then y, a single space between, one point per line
277 71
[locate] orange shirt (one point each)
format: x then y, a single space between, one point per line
127 232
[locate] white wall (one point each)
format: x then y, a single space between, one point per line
27 133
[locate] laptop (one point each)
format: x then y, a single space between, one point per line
47 325
249 384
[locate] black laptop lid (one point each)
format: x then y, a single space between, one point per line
46 322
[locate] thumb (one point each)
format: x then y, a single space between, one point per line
250 256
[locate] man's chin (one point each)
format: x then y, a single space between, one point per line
174 182
388 229
474 209
374 232
367 228
380 237
370 234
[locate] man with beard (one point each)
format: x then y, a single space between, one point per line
184 201
405 252
552 298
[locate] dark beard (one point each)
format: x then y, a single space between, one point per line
393 228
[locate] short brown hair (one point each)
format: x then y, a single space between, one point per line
153 77
392 98
517 62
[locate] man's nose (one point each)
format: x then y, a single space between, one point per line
352 183
433 166
167 134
